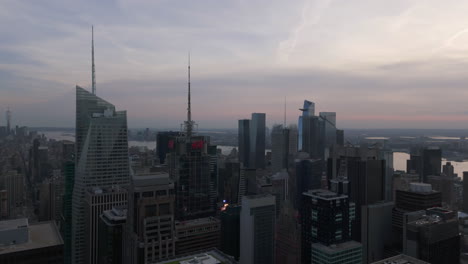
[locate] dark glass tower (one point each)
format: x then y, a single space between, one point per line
244 142
257 140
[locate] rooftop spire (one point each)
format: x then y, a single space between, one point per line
92 55
189 123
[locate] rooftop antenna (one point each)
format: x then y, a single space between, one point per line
92 55
189 122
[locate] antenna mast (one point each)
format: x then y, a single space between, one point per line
189 123
92 55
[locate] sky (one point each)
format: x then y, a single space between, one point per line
377 63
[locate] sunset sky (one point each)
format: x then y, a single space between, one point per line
377 63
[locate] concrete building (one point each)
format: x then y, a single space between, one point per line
150 227
257 226
13 183
98 200
21 243
230 230
101 158
197 234
307 176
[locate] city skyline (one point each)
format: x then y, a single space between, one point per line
352 58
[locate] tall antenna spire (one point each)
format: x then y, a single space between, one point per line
189 123
92 55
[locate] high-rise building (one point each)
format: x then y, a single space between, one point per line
434 237
349 252
189 167
101 157
244 142
257 140
288 236
432 162
197 234
111 226
150 227
465 191
13 183
228 185
330 127
22 243
327 219
376 228
293 139
163 140
307 110
313 129
66 227
446 186
279 148
230 230
308 176
98 200
257 229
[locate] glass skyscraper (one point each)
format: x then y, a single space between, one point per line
101 157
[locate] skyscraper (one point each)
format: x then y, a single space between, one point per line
257 229
465 191
330 127
307 110
257 141
279 148
244 142
432 162
162 144
101 157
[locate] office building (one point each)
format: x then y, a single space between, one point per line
66 227
308 176
434 237
257 229
329 119
257 140
150 227
228 185
244 143
349 252
432 162
111 227
230 230
13 183
163 146
279 148
22 243
293 139
101 158
197 234
465 191
308 109
98 200
376 230
189 168
288 236
319 207
446 186
402 180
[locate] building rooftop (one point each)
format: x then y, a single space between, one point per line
324 194
211 256
198 221
401 259
41 235
13 224
335 248
117 214
153 178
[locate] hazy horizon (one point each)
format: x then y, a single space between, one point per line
378 64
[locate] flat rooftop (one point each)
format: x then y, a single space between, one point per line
41 235
153 178
210 256
401 259
13 224
198 221
335 248
324 194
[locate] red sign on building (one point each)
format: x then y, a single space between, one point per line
197 144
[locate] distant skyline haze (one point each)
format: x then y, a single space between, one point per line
376 63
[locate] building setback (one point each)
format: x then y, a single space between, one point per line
197 234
